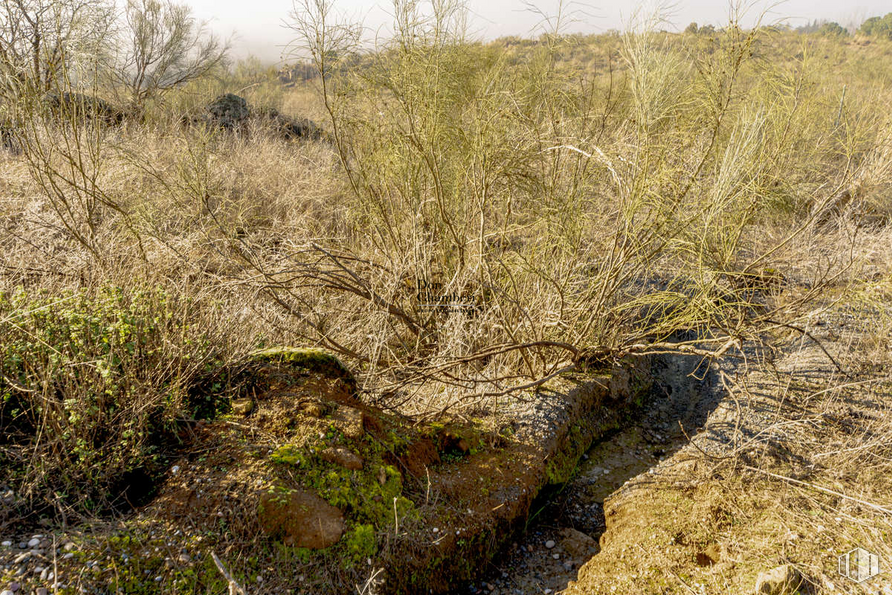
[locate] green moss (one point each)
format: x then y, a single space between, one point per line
561 466
361 543
309 358
289 455
360 494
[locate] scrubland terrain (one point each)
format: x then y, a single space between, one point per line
456 224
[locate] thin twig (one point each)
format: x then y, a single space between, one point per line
234 587
876 507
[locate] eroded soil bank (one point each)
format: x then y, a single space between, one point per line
568 522
304 488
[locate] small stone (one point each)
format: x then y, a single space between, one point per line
556 556
342 457
300 518
39 569
44 572
40 591
315 409
783 580
14 587
68 556
549 544
242 406
23 545
6 544
34 542
69 546
579 545
175 469
184 558
7 592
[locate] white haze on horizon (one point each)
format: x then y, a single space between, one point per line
258 28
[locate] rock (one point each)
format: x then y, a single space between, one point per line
289 128
301 519
184 558
342 457
69 546
14 587
34 542
549 544
227 111
349 421
316 409
7 592
6 544
579 545
783 580
77 105
41 591
242 406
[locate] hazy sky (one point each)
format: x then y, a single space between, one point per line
257 25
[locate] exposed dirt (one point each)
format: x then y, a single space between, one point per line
680 400
430 504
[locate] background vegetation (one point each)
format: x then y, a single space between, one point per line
476 218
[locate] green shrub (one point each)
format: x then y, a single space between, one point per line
91 387
877 26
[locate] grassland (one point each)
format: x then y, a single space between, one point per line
573 200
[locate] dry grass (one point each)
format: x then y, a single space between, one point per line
578 198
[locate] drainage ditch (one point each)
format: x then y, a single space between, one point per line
567 521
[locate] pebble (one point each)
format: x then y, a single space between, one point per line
34 542
14 587
556 556
6 544
7 592
23 545
549 544
41 591
175 469
68 556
